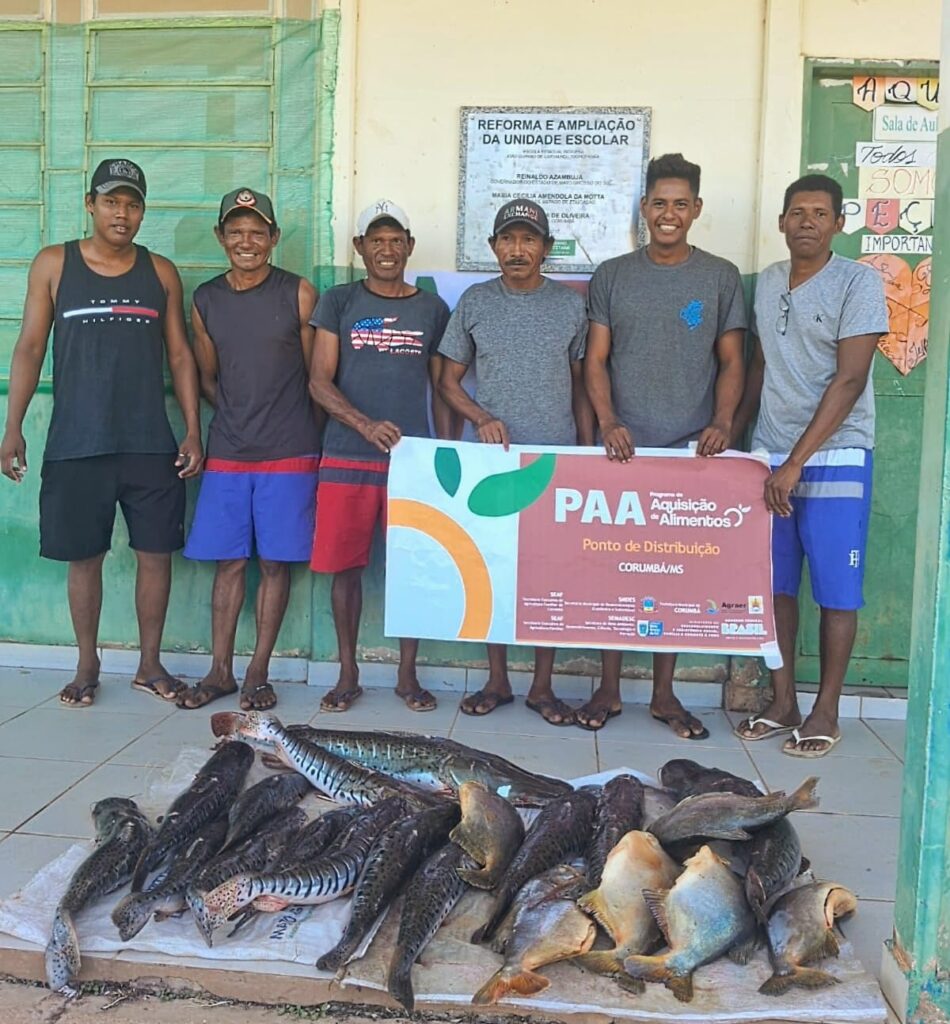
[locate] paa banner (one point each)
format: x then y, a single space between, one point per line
562 548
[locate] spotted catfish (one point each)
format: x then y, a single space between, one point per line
270 796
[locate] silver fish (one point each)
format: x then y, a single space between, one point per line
334 776
122 832
217 783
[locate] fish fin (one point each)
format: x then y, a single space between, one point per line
500 984
742 952
803 799
755 895
739 835
270 904
633 985
141 869
804 866
802 977
593 903
655 900
601 961
830 946
681 985
478 878
647 968
399 986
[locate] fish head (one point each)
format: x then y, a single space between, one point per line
131 914
254 725
679 772
705 859
216 906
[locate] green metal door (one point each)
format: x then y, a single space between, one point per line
833 126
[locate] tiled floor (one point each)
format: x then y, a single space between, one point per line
56 762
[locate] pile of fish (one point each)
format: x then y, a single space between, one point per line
631 882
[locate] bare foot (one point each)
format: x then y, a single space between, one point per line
781 714
81 692
681 722
155 679
216 684
257 694
409 690
817 725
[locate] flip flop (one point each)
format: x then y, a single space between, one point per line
795 751
81 690
339 702
774 728
248 698
419 701
684 721
554 704
148 686
607 714
493 700
205 693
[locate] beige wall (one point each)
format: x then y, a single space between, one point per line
724 79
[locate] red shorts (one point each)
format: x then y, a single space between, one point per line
351 498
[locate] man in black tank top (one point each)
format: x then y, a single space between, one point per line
116 313
253 345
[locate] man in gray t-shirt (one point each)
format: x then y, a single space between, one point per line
526 335
664 367
818 318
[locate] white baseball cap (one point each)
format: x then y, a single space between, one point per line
382 209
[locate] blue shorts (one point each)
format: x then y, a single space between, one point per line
243 506
831 507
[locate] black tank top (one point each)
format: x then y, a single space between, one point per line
108 357
263 408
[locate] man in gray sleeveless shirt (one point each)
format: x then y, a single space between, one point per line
253 344
664 368
818 318
116 313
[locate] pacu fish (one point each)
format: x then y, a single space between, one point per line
704 915
729 816
636 863
490 832
801 930
619 811
546 927
211 793
122 833
561 830
396 854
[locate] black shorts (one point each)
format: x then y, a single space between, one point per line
78 499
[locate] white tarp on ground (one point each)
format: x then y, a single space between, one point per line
452 969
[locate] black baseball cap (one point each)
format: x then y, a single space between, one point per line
113 174
522 211
247 199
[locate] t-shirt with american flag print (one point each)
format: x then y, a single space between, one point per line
385 347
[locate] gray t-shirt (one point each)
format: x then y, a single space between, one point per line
664 322
385 346
843 300
522 344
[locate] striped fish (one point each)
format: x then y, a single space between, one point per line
334 776
330 876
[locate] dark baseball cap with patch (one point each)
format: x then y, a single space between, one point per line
113 174
248 199
522 211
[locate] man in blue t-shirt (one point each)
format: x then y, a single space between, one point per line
375 353
818 318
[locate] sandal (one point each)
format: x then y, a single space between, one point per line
683 720
547 707
334 701
597 718
773 729
201 694
418 700
148 686
83 694
258 698
469 705
797 740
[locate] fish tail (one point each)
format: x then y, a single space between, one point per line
601 961
802 977
62 952
399 983
804 797
501 983
478 878
647 968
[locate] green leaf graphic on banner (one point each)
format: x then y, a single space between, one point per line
502 494
448 469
